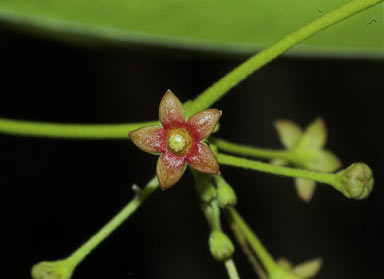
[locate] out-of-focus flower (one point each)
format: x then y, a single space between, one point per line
306 151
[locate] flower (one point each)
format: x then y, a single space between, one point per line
307 150
307 269
178 141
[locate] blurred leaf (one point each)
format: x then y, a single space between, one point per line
227 25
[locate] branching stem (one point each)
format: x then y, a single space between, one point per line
245 247
264 256
230 80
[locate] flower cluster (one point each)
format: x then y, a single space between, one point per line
178 141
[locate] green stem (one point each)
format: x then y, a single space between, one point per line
215 217
114 223
328 178
264 256
211 209
245 247
69 131
231 269
250 150
222 86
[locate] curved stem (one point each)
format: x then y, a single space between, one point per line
69 131
223 85
264 256
251 151
245 247
328 178
115 222
64 268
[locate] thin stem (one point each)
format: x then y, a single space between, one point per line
69 131
264 256
211 209
215 218
245 247
141 195
328 178
222 86
251 151
231 269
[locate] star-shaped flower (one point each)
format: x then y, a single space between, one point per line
307 269
307 149
178 141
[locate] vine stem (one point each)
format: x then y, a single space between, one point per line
264 256
223 85
251 151
245 247
205 99
70 263
328 178
115 222
69 131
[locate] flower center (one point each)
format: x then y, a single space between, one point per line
179 141
176 142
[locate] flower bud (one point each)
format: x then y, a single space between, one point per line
220 245
204 186
357 181
225 194
52 270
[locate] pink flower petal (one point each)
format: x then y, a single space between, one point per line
171 112
169 169
151 139
202 159
204 122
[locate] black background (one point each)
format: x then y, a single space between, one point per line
56 193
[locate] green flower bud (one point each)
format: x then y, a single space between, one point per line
220 245
225 194
357 181
52 270
204 186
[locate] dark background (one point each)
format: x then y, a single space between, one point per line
56 193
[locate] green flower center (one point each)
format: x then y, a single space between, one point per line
179 141
176 142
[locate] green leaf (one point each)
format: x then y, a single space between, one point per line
231 25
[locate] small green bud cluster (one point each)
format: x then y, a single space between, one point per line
225 194
205 187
